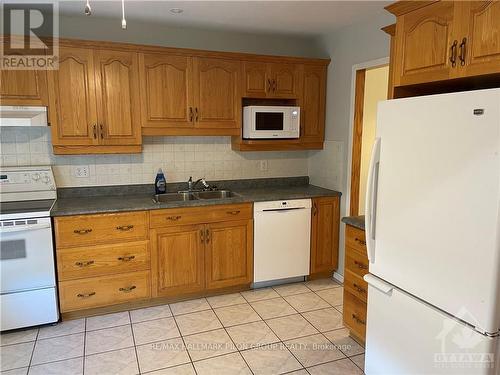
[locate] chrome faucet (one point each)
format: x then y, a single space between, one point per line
192 185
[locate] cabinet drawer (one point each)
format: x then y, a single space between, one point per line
355 238
73 231
197 215
105 290
355 314
356 262
356 285
75 263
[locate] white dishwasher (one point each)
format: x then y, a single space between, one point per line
282 234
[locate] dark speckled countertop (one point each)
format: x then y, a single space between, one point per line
355 221
95 200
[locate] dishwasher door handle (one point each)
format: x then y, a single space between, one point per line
284 209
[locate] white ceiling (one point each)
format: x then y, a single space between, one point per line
281 17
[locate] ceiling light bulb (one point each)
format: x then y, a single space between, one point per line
176 10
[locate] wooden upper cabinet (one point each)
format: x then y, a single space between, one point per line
271 80
73 102
312 109
117 87
256 83
23 87
166 90
325 235
229 253
482 45
217 93
285 80
426 43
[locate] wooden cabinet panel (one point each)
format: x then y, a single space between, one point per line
89 261
166 90
229 254
217 93
355 261
312 111
74 231
73 102
355 239
102 291
117 87
482 23
285 79
178 260
256 83
355 315
24 87
355 285
325 234
424 39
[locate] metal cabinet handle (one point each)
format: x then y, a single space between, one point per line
126 258
207 236
453 53
85 263
190 114
94 130
315 209
236 212
127 289
202 235
101 128
358 288
82 231
274 85
85 295
124 227
360 241
360 265
173 218
269 85
463 51
358 320
196 114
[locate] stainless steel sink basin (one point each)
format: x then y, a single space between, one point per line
174 197
216 194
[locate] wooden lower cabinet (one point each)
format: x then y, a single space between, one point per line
355 287
324 236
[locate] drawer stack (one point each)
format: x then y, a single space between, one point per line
102 259
355 288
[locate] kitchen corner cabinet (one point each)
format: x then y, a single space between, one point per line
271 80
94 101
324 236
441 40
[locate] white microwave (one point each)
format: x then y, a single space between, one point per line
270 122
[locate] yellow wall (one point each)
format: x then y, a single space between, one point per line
376 81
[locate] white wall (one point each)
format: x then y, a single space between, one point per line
346 47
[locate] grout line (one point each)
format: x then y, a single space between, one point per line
84 343
33 350
183 342
133 340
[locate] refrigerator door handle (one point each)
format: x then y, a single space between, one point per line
379 284
371 200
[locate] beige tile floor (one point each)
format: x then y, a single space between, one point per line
288 329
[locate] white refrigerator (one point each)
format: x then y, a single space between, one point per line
433 236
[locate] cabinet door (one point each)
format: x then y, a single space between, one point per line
312 111
73 108
424 40
483 37
23 87
117 88
178 264
217 93
325 234
286 80
229 254
256 82
166 90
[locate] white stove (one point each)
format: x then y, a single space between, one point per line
28 294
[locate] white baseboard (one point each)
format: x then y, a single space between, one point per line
338 277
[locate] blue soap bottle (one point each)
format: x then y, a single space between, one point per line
160 183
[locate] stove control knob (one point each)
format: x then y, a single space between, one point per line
46 179
35 176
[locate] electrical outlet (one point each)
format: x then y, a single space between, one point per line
263 165
81 171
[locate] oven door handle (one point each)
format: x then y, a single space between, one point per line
24 228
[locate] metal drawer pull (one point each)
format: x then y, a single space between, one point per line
85 295
202 236
358 320
207 236
127 289
84 264
358 288
233 212
82 231
124 227
360 241
173 218
360 265
126 258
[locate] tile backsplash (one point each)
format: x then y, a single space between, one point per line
180 157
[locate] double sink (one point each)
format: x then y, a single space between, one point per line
184 196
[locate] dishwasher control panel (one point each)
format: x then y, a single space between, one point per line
282 205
